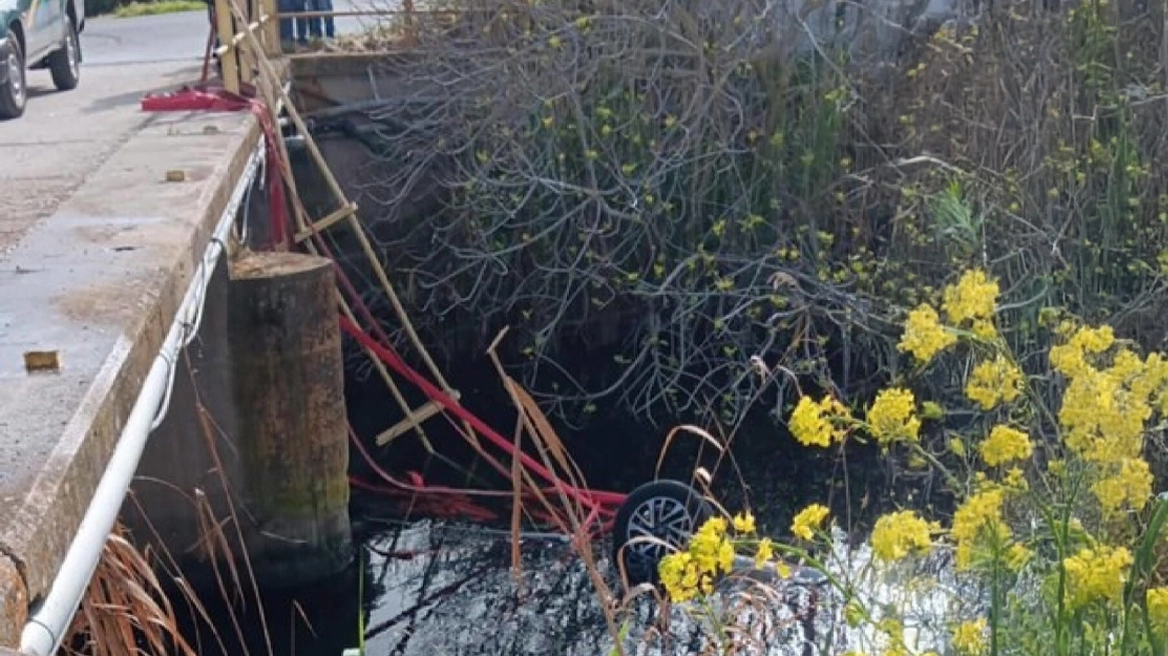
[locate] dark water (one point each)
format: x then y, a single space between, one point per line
427 587
430 586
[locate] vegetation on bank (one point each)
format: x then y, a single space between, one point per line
134 9
678 189
1057 540
952 248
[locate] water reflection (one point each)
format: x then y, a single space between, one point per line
448 589
436 588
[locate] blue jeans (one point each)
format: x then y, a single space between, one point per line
290 7
315 22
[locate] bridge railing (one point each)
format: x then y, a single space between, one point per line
407 13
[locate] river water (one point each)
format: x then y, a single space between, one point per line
426 586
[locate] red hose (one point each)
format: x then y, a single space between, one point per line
434 393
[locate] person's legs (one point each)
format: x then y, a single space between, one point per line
330 30
314 23
301 23
286 7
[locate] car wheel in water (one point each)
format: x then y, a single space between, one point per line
13 93
656 518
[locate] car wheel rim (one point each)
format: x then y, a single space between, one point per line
15 78
71 51
656 521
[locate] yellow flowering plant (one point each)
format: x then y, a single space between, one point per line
1055 526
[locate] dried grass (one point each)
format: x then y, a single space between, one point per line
125 611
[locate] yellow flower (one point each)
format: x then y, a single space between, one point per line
1017 556
819 423
1104 412
932 410
969 637
686 574
710 547
1070 359
977 520
766 551
973 297
899 534
1005 445
783 569
1130 486
1096 575
924 336
985 329
1157 600
957 447
1015 480
681 577
892 417
992 381
744 523
809 519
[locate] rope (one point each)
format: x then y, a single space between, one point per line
590 498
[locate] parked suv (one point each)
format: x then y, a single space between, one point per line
38 34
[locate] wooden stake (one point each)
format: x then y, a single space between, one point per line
414 418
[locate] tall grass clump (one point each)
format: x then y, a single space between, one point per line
125 610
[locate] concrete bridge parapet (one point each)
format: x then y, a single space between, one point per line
98 284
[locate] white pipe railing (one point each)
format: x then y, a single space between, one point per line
46 626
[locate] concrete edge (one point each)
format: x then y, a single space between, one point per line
95 426
334 63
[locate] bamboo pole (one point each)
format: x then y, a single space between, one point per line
358 230
228 59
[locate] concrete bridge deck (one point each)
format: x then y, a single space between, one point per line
96 251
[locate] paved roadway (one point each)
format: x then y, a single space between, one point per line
95 253
64 137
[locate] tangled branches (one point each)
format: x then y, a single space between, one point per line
673 188
636 182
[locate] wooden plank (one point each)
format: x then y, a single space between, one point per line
327 222
413 419
270 28
228 59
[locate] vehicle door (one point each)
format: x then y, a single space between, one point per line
42 27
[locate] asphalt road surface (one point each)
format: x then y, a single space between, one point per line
65 136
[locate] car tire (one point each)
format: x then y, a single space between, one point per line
14 93
65 63
664 514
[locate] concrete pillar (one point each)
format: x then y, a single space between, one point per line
257 402
288 383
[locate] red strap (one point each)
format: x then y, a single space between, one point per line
192 99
